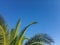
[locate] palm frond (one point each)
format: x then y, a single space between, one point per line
43 38
4 29
21 37
17 27
2 36
14 32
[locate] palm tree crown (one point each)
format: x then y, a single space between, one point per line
12 37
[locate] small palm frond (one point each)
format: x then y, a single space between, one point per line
43 38
47 38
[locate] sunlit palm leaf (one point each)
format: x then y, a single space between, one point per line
14 32
37 43
2 36
17 28
21 37
2 31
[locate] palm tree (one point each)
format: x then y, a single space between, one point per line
40 39
12 37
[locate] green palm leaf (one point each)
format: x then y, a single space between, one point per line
2 36
40 39
14 32
3 30
21 37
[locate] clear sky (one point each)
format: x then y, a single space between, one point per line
45 12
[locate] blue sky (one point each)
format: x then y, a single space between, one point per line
45 12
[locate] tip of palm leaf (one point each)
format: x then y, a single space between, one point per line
19 20
34 22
